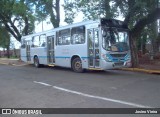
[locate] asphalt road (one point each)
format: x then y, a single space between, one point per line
29 87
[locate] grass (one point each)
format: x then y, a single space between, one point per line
11 57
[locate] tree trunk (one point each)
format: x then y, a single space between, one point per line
57 13
26 26
143 48
54 12
143 43
8 53
107 7
134 53
154 36
15 53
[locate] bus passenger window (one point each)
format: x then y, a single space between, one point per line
78 35
64 37
35 41
42 40
96 36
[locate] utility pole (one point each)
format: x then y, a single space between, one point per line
42 25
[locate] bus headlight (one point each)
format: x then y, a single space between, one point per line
106 58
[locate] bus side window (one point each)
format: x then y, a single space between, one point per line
64 37
78 35
35 41
42 40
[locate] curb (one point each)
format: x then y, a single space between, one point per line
4 63
124 69
141 70
19 65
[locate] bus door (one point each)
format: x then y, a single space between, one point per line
50 50
28 52
93 48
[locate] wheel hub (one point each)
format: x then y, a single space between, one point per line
78 65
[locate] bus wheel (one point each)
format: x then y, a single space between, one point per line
77 65
36 62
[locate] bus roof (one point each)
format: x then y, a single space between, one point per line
64 27
107 22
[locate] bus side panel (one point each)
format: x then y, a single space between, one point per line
64 54
41 53
23 55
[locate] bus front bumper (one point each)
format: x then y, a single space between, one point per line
115 65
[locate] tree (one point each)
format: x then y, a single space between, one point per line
92 9
142 40
48 8
4 39
17 17
137 15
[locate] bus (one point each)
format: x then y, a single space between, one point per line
94 45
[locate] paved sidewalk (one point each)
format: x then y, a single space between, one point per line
14 62
153 68
150 71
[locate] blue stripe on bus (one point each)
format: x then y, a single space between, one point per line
62 57
85 57
55 57
59 57
65 57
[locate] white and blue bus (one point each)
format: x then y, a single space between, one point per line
95 45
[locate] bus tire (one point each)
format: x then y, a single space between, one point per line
77 65
36 62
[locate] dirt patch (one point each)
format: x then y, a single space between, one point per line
12 61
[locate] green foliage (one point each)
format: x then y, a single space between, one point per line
4 38
47 9
17 16
92 9
70 9
134 10
40 8
131 10
135 13
138 16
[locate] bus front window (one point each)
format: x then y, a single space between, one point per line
116 40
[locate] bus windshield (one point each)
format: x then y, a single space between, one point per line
115 39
